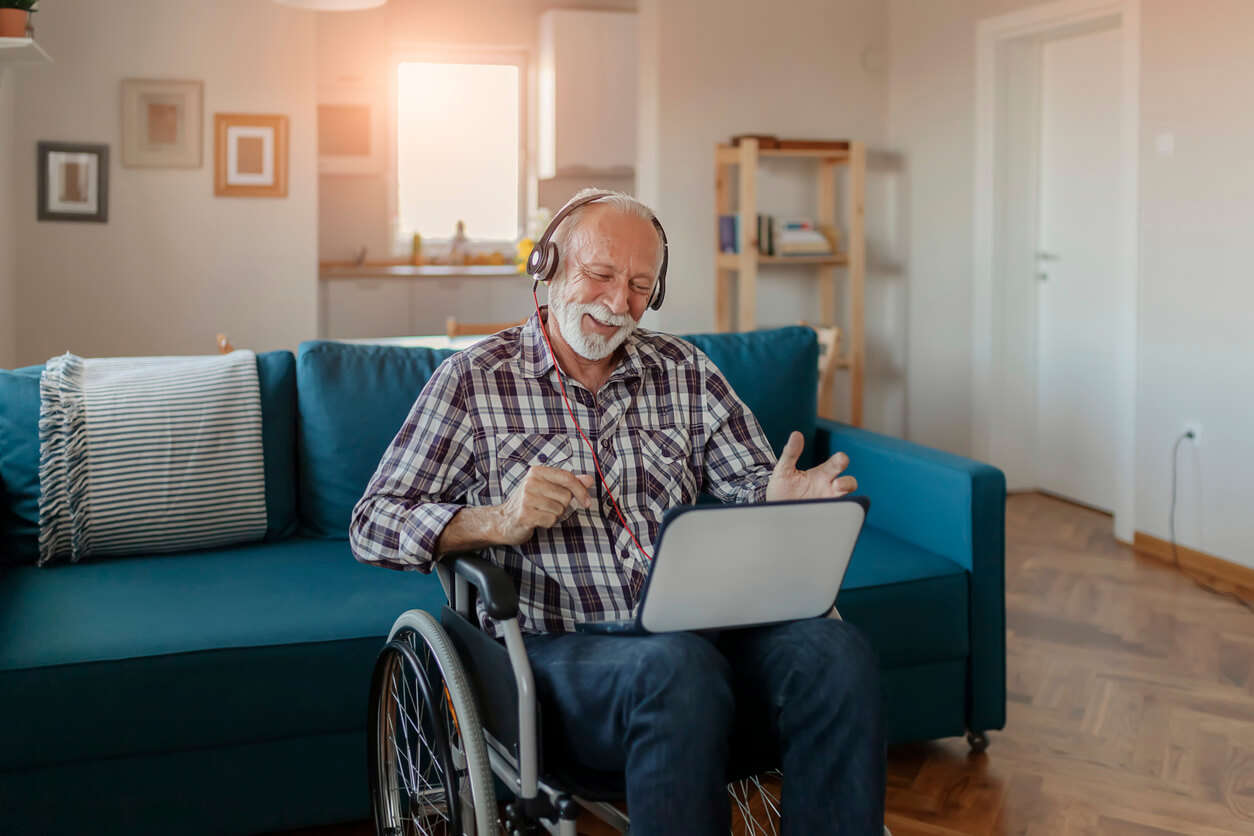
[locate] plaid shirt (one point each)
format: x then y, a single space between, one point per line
666 426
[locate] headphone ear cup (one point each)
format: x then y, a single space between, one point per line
536 261
548 262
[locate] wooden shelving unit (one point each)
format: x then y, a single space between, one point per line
738 272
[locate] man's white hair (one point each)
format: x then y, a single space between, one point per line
619 201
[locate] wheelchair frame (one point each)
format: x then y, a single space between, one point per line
502 685
553 808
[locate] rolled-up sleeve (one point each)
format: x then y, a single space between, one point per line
738 458
421 481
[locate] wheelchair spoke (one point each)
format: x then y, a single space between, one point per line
417 784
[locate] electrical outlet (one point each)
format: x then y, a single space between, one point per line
1194 430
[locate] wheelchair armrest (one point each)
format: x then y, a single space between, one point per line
495 588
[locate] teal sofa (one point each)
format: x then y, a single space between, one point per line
225 691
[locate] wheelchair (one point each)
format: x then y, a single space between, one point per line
454 723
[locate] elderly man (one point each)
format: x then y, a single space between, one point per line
489 458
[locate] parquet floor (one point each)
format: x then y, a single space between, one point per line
1131 701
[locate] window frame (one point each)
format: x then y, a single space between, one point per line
435 54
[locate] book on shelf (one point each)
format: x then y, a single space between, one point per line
801 236
777 236
729 233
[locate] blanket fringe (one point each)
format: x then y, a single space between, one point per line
62 459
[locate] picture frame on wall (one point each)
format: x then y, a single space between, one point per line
162 123
351 132
73 182
250 155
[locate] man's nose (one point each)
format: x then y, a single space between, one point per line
618 296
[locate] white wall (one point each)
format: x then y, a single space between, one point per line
794 68
1197 285
8 258
1195 345
174 265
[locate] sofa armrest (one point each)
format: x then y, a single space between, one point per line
952 506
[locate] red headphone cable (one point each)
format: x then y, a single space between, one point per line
591 447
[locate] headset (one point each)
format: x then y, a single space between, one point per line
542 267
542 262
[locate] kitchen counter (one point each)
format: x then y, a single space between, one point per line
410 271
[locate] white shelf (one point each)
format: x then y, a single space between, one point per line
22 51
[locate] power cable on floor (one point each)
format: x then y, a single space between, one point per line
1171 528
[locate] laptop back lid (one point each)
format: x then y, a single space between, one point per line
724 566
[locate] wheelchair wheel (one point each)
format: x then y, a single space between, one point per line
428 764
756 805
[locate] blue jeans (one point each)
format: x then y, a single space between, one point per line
673 710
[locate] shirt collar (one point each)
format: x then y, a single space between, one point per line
536 359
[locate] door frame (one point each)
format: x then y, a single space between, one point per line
996 436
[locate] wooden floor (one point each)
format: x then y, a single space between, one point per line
1131 700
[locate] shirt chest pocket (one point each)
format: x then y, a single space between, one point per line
514 454
667 476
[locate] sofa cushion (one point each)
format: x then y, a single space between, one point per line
19 453
276 378
211 648
19 465
912 604
776 373
353 400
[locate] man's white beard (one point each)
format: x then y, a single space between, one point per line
589 346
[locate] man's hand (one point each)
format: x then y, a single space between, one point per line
822 482
539 501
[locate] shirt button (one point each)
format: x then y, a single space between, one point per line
606 444
542 457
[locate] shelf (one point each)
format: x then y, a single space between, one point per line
730 154
737 279
731 261
15 51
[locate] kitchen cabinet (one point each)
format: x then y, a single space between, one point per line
587 92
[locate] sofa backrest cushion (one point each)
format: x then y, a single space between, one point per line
19 465
776 373
355 397
19 453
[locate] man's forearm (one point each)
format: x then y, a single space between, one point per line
473 527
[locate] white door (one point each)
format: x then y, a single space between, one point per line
1077 294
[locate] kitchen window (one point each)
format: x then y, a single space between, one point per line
459 149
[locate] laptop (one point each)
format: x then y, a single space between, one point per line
726 566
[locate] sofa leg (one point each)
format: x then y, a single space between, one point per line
978 741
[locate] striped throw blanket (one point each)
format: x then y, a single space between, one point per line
149 454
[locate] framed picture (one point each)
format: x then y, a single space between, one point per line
250 155
162 123
73 182
350 129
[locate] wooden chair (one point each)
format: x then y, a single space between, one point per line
454 329
829 362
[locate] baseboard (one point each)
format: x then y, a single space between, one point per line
1215 572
